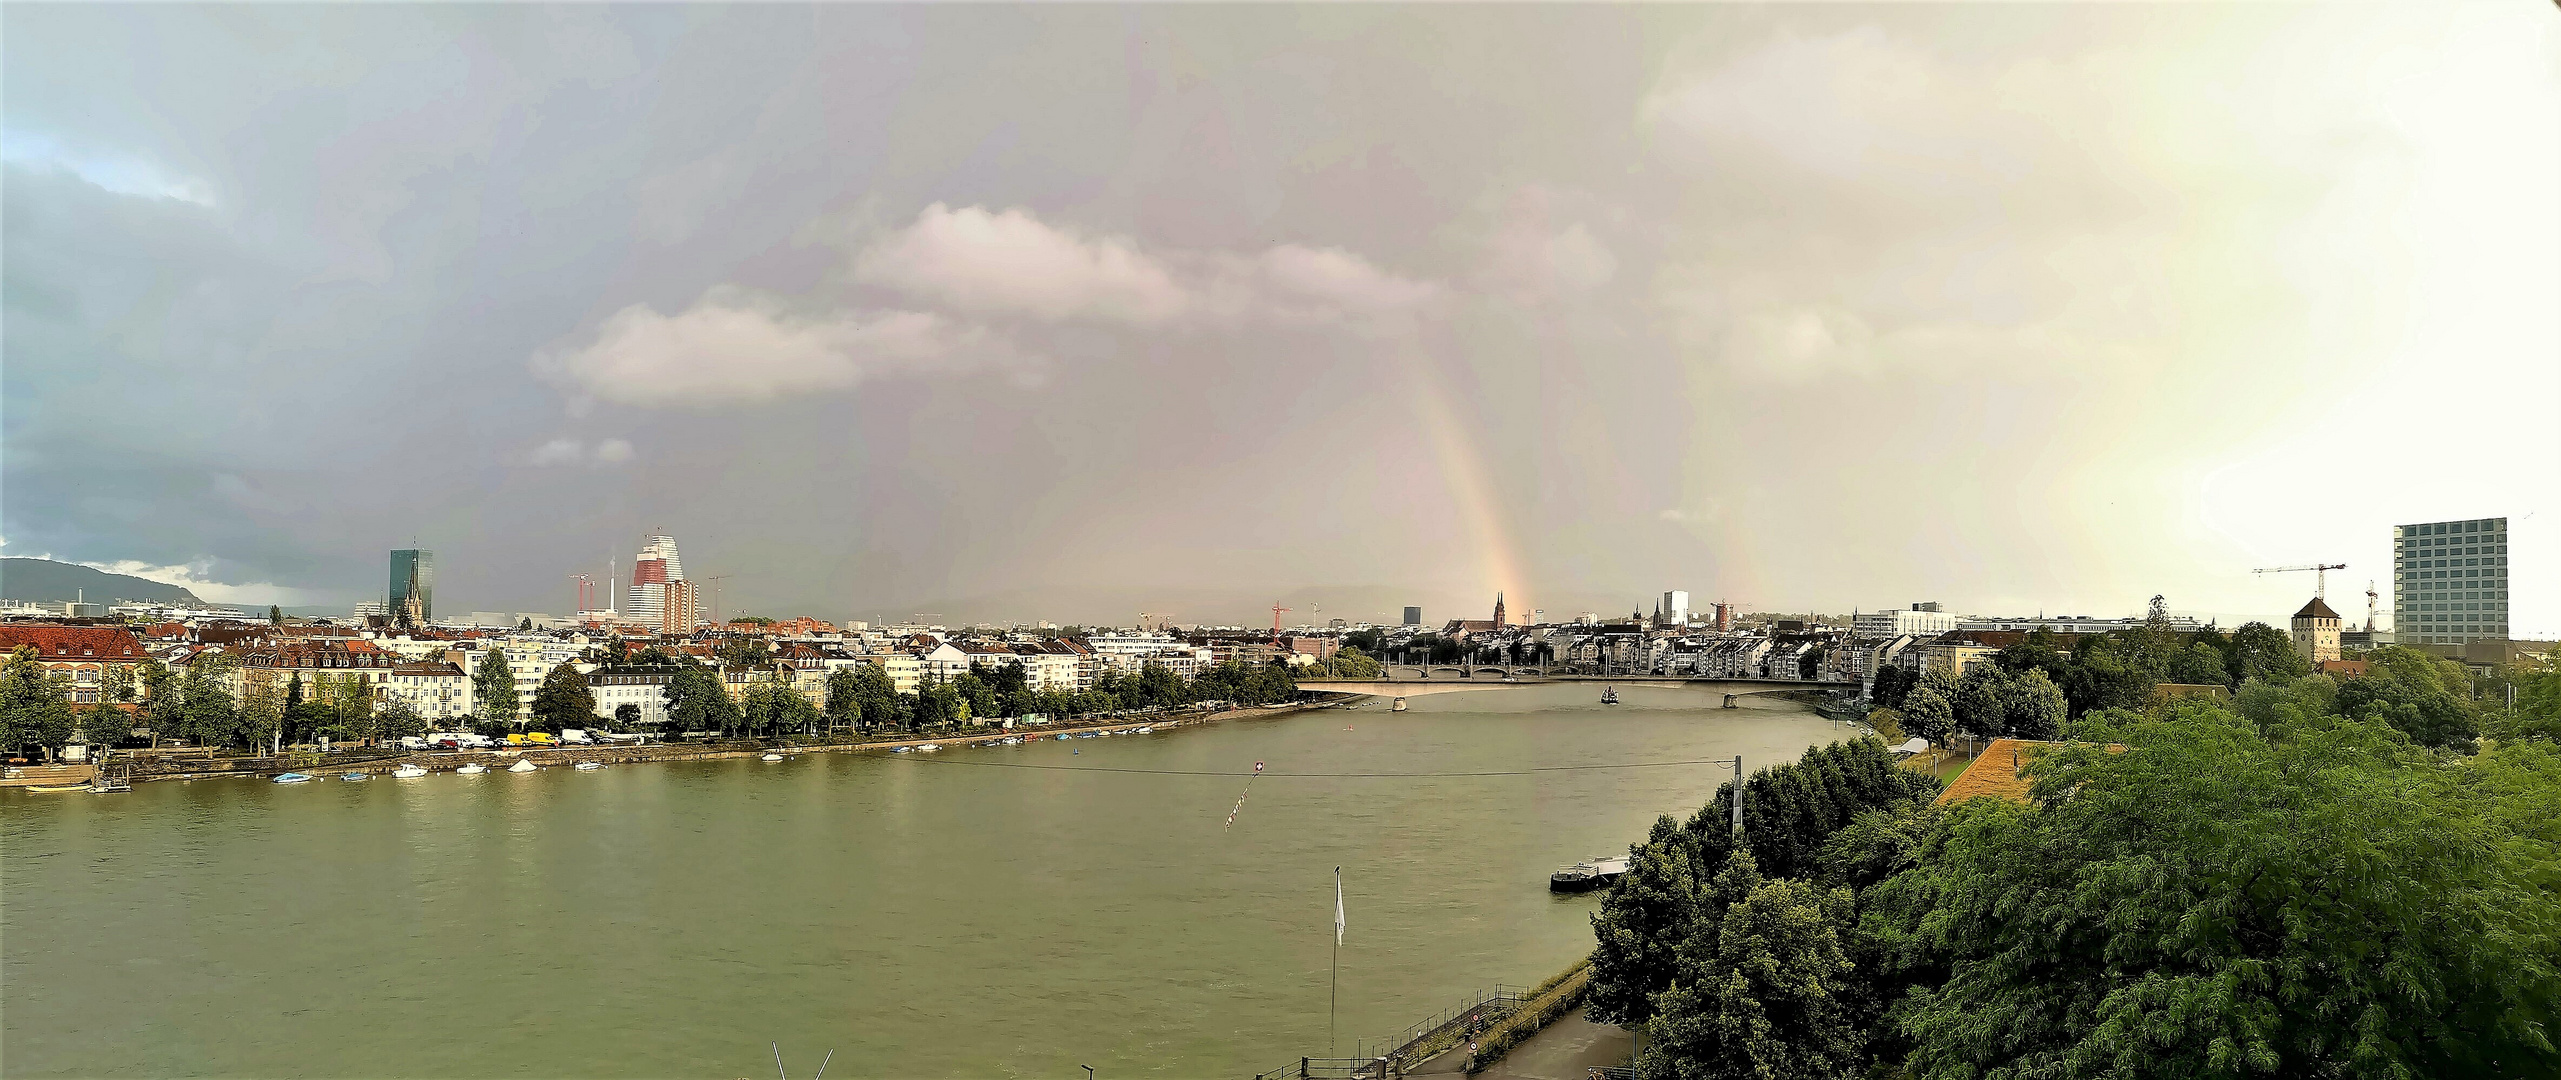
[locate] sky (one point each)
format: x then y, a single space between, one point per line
1073 312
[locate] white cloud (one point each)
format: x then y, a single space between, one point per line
1009 262
734 346
192 577
570 451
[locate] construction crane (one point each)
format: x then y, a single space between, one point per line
715 581
1277 610
1146 615
2320 571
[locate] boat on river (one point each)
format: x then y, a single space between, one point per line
771 757
1609 695
473 769
588 766
1586 876
352 777
927 748
294 778
409 771
523 765
1397 706
48 789
902 749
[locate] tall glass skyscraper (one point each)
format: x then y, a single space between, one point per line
2450 581
413 584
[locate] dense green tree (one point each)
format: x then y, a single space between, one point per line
844 698
878 697
2426 698
35 706
493 690
1893 683
1982 705
117 686
351 702
564 700
1659 911
2032 706
2211 900
262 712
275 615
2199 663
208 713
1773 992
697 701
399 719
1928 714
2537 712
2260 651
301 716
977 692
940 705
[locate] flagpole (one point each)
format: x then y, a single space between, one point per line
1334 993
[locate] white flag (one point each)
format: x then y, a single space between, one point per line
1338 905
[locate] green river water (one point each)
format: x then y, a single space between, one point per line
924 916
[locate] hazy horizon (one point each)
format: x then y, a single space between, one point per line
1073 312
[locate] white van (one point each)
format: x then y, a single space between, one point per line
574 736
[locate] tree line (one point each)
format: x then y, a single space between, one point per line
2293 884
858 697
197 704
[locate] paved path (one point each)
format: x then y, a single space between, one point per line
1563 1050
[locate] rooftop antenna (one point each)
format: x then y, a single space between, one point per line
2371 602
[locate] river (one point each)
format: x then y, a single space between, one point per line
945 915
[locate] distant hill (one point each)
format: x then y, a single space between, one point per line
41 581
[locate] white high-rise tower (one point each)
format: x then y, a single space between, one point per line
655 566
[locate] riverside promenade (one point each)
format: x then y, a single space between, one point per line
378 760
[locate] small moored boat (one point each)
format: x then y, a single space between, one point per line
473 769
352 777
1398 706
523 765
902 749
409 772
771 757
588 766
1609 695
1586 876
48 789
927 748
295 778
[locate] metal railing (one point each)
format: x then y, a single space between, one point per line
1408 1047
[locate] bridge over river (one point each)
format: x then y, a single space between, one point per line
1411 680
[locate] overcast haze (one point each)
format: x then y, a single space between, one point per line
1074 312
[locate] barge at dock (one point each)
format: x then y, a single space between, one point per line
1586 876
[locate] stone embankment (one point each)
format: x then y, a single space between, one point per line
198 765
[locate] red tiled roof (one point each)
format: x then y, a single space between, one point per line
74 642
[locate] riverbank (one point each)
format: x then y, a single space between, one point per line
379 760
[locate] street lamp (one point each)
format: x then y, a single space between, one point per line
1089 1071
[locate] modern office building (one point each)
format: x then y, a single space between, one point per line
1923 620
413 585
2450 581
1676 607
650 572
1413 616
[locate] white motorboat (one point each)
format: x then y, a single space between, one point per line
902 749
523 765
473 769
771 757
588 766
409 772
295 778
352 777
1150 730
927 748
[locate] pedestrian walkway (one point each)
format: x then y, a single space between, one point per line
1564 1050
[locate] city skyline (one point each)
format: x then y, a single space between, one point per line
1203 314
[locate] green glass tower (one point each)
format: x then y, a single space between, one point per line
413 585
